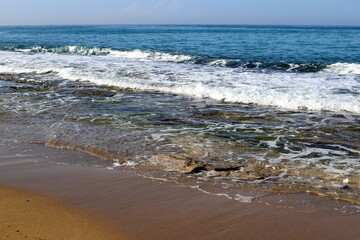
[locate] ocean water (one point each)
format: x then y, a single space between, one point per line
272 108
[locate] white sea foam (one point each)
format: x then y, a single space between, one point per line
244 199
131 54
140 54
344 68
237 197
326 91
68 50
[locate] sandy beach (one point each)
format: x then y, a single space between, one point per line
25 215
141 208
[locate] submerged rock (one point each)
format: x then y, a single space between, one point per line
176 163
95 92
223 167
255 171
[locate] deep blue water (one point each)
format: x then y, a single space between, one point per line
266 44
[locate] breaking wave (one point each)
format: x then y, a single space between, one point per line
321 91
132 54
178 57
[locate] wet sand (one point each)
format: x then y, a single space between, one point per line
145 209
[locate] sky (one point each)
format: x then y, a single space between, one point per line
279 12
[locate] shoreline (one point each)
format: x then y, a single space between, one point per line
145 209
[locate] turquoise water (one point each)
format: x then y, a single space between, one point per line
274 107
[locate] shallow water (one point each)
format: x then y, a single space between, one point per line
238 114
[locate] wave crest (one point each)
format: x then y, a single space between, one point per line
80 50
132 54
178 57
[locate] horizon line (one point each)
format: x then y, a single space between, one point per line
180 24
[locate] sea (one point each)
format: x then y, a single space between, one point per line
252 109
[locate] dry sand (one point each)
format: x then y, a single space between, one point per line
29 216
149 210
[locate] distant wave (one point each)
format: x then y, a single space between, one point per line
133 54
339 68
80 50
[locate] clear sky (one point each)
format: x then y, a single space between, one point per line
288 12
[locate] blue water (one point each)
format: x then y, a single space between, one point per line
266 44
260 106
